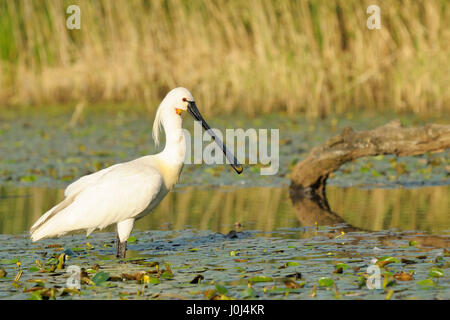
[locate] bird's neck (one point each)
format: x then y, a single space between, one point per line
171 159
175 148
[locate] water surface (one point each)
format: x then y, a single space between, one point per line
218 234
265 209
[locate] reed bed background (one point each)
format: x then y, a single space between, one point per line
313 57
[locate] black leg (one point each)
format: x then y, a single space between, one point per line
121 248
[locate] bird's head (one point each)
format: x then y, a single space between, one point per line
178 100
169 113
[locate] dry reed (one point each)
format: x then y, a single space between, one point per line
314 57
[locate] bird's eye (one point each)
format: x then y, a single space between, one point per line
184 99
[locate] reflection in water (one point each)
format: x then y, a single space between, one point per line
259 208
425 209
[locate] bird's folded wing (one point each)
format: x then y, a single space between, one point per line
119 194
85 181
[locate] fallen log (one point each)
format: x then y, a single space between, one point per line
309 176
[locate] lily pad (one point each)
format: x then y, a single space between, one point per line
436 273
100 277
325 282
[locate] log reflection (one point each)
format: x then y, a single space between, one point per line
311 208
261 208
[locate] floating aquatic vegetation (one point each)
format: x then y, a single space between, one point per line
262 258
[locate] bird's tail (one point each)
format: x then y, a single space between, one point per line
40 228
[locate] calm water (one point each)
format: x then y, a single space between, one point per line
277 242
377 207
257 208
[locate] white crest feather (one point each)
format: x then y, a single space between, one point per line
157 126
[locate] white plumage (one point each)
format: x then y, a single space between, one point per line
127 191
109 196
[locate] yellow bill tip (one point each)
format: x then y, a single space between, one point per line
238 169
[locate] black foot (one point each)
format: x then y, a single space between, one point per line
121 249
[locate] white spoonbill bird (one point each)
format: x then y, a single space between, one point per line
124 192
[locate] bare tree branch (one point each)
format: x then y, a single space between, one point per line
310 175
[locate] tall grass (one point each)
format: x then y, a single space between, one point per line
315 57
